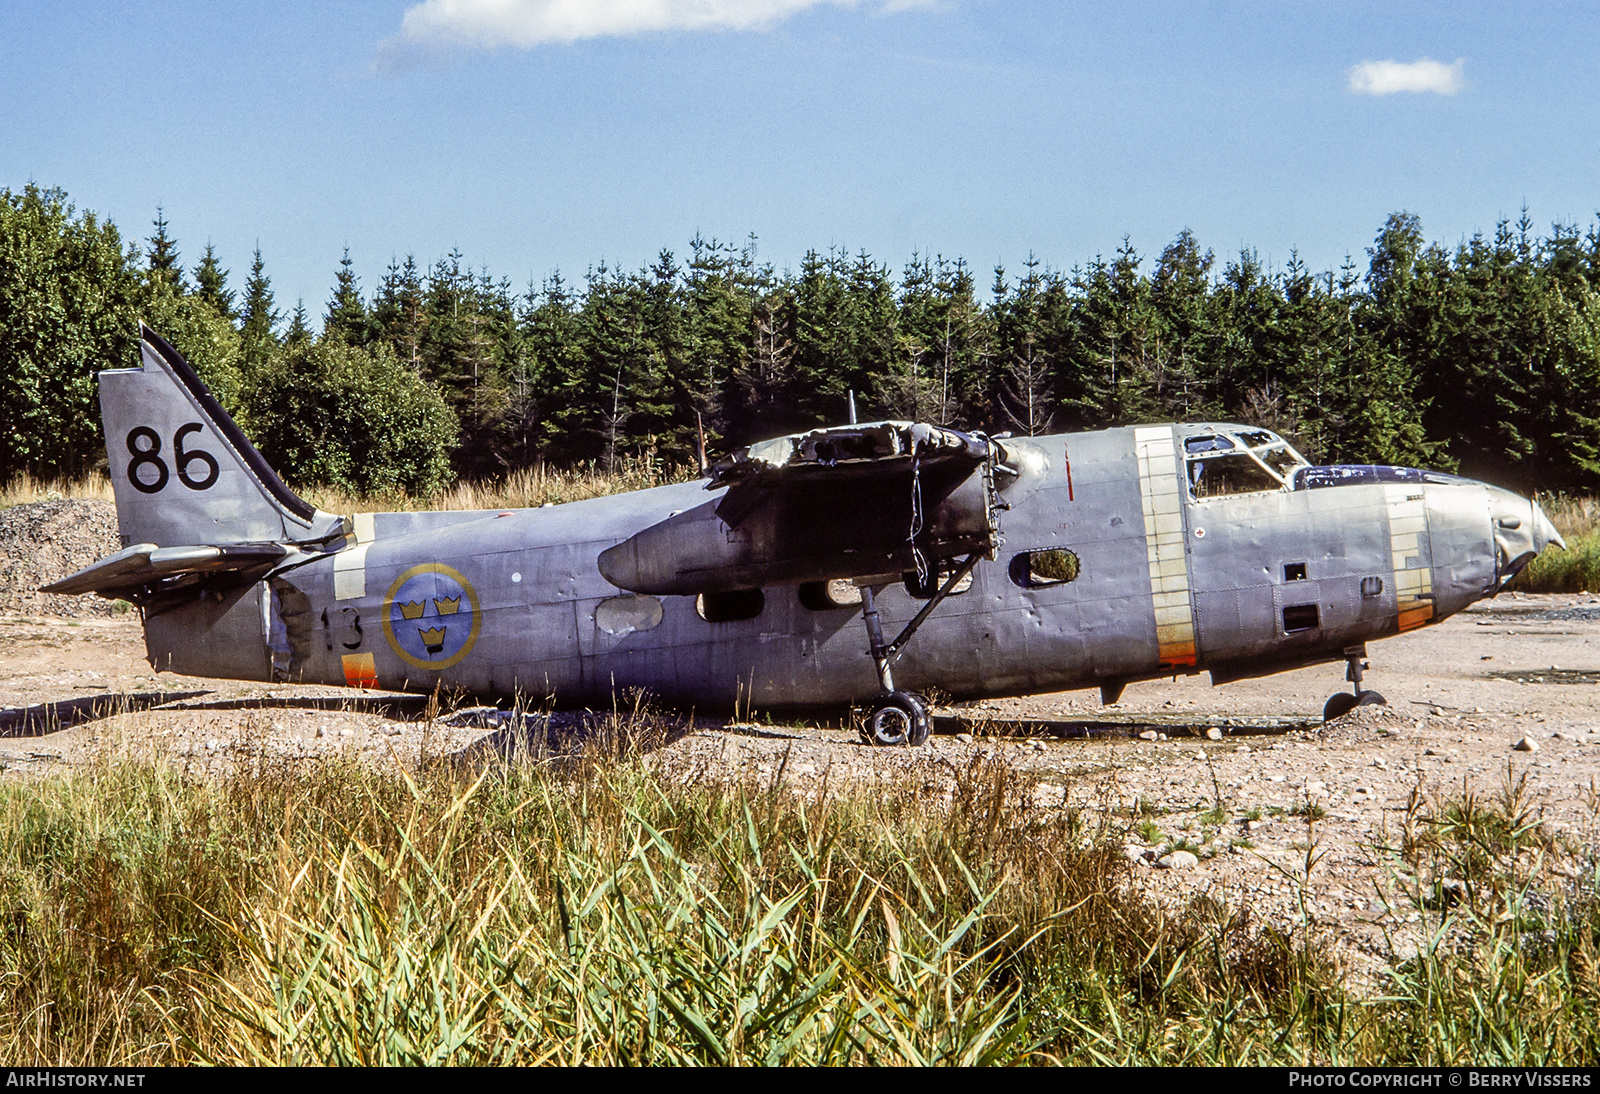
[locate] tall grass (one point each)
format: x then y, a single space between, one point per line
1577 569
596 911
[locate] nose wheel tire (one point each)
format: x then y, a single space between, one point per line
898 718
1338 705
1341 703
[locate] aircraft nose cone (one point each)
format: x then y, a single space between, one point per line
1544 533
1521 531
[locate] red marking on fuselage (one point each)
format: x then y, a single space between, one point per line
1066 458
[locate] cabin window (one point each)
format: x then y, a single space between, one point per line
936 579
1294 571
1300 617
730 607
1221 476
626 614
1208 443
1041 569
827 596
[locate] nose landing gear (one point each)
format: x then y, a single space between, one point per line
1343 702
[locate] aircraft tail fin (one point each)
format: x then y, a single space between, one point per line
183 471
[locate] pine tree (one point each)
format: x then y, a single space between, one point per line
211 284
163 268
347 316
260 316
299 333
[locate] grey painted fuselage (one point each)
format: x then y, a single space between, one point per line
512 604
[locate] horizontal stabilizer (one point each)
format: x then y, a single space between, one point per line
145 564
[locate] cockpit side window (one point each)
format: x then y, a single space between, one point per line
1221 476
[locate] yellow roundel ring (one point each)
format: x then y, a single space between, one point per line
430 633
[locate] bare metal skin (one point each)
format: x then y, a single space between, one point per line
1085 559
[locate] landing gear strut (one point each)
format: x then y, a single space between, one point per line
1341 703
900 717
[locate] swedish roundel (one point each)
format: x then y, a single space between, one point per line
431 616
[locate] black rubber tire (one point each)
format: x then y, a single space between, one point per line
924 724
898 718
1372 699
1338 705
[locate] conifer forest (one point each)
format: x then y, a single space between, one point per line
1481 356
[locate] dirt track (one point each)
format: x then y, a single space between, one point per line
1461 695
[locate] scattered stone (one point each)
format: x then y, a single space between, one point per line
1254 825
1213 734
1149 735
1049 796
964 738
1526 744
1177 860
319 733
1136 854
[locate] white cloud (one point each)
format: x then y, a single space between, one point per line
1389 77
441 26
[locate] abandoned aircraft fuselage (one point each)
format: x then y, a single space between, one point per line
1094 558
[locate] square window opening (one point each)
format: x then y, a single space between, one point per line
1300 617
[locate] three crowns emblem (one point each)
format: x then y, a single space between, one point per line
432 637
431 616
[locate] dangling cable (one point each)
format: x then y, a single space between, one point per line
916 519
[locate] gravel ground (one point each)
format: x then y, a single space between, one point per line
44 542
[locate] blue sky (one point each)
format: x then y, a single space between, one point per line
537 134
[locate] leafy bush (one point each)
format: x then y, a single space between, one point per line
351 418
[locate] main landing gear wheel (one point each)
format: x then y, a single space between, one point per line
898 718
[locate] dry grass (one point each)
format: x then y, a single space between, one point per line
25 489
526 488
